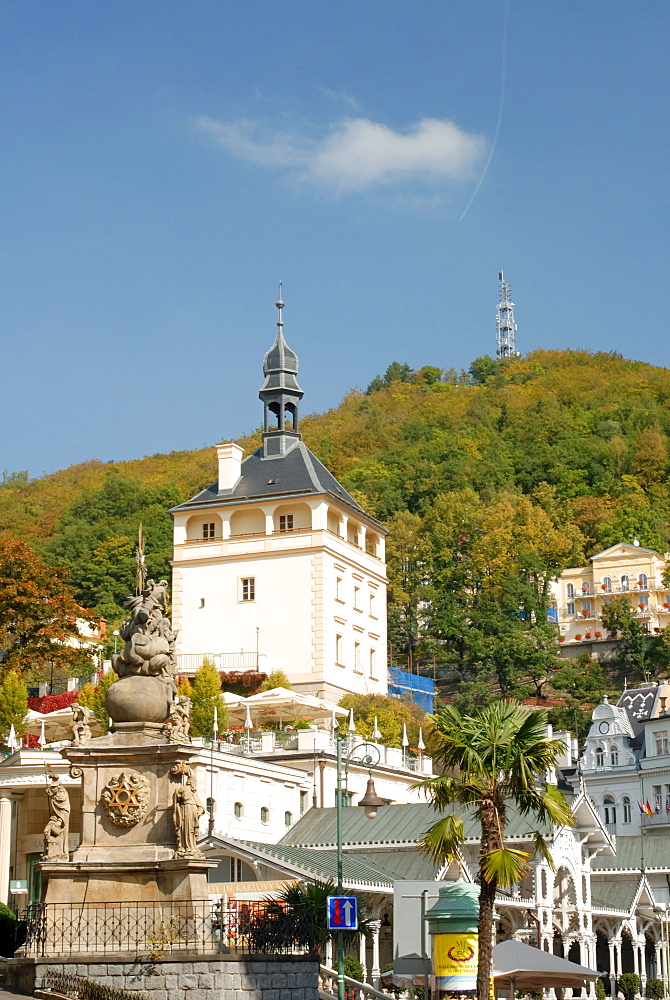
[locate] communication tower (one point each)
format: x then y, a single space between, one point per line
505 325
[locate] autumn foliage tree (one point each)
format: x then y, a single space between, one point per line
38 612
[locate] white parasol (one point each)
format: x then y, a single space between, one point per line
282 705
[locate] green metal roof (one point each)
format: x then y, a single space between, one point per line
394 824
323 864
637 853
614 894
399 864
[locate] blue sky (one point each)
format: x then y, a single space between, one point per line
164 163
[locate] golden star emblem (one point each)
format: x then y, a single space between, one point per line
122 797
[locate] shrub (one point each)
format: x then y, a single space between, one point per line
7 931
353 968
629 984
601 992
655 989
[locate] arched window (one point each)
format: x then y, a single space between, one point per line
570 591
265 814
626 809
238 810
585 586
614 756
288 818
625 582
600 757
606 584
642 581
609 809
543 884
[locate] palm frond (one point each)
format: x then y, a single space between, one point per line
541 847
505 865
443 839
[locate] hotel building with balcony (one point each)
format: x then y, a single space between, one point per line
581 592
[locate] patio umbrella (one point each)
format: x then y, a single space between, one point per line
55 726
376 735
520 966
283 705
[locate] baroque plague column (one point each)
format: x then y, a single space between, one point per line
140 804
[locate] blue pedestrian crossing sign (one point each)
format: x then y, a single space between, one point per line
342 913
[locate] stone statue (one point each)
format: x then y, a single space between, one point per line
81 730
146 664
57 830
186 812
178 725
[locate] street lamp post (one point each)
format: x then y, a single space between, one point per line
370 803
116 639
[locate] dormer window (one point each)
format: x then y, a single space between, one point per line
600 757
614 756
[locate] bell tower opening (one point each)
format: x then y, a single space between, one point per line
280 395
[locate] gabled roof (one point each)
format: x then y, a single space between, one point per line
630 549
297 474
301 863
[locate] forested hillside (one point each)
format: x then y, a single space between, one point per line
492 480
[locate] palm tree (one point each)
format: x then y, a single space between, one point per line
494 761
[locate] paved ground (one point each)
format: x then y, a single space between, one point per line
9 994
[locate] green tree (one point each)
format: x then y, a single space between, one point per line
482 368
38 612
13 705
391 715
276 679
618 615
94 698
492 762
205 698
184 688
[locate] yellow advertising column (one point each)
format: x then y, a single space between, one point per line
453 923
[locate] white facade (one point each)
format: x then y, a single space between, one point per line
316 608
276 567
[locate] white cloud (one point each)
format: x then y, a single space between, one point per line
357 153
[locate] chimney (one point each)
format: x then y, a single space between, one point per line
230 464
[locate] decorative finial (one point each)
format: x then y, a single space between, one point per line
280 306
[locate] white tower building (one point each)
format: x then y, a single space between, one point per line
275 566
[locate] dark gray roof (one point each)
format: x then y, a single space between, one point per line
639 703
635 853
298 473
394 824
280 366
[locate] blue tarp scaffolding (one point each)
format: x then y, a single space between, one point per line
421 690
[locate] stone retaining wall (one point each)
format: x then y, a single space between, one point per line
224 977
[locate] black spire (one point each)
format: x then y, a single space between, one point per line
280 394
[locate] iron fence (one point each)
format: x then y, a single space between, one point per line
80 988
157 929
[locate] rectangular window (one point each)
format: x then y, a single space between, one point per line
570 609
373 606
373 663
286 522
338 649
208 530
661 737
586 606
249 588
357 594
657 791
236 870
303 802
357 658
338 588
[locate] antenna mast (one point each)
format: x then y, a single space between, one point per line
505 325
